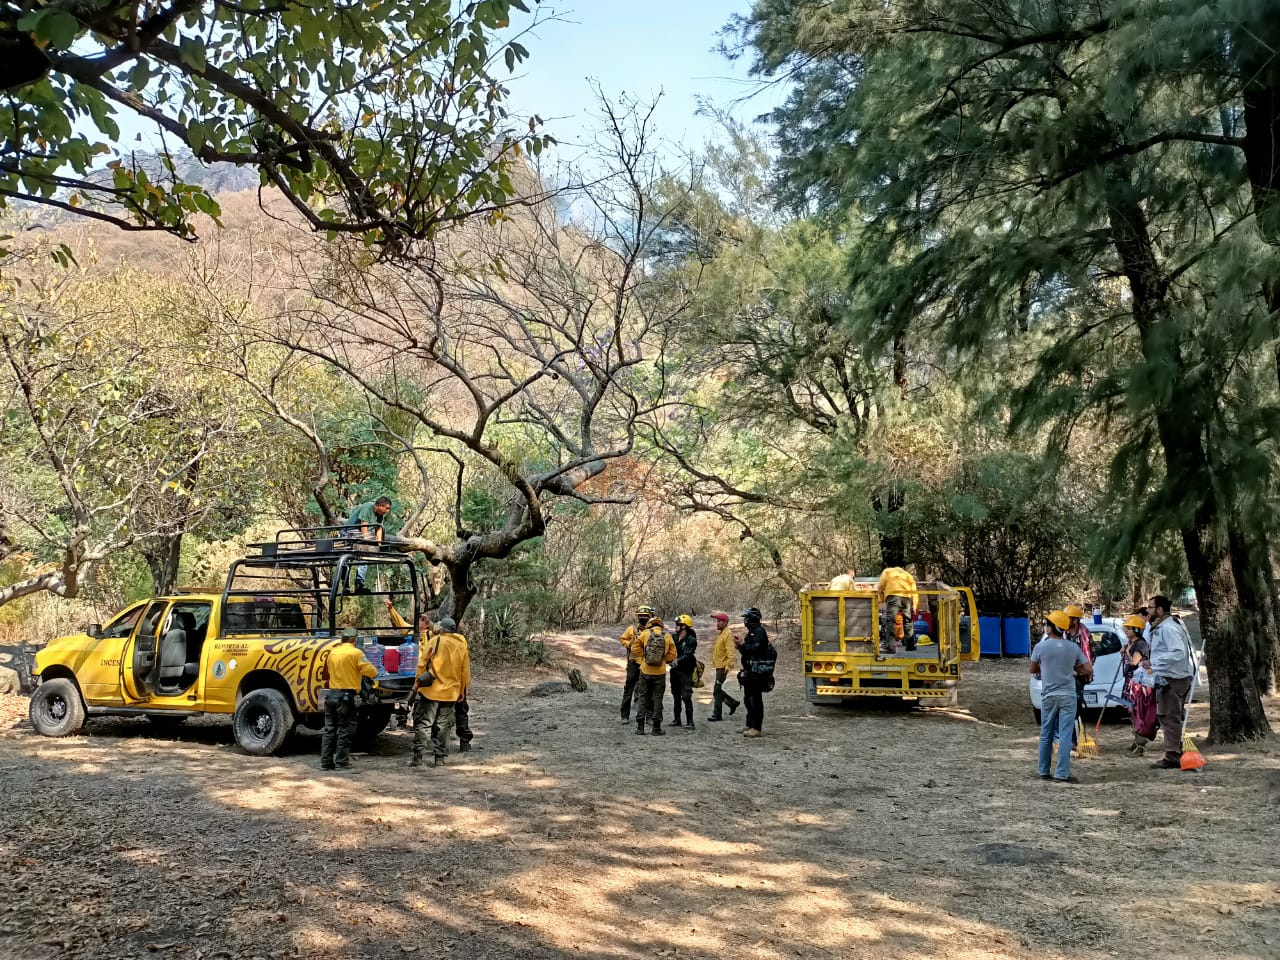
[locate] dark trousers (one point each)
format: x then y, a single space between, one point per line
462 721
892 607
432 720
1171 702
629 689
753 697
720 696
339 729
682 693
649 694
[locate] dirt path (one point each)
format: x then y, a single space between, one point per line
842 833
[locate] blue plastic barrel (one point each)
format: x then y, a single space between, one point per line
989 636
1016 636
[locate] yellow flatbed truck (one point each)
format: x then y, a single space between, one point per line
840 639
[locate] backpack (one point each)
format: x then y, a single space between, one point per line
760 668
655 648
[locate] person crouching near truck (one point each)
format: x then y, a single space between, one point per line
344 667
444 674
723 654
1057 662
897 591
653 648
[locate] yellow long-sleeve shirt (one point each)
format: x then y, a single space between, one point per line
397 621
896 582
637 653
627 638
346 665
724 652
450 661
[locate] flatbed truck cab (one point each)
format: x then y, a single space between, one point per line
256 652
840 634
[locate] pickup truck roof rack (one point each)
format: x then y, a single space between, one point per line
322 542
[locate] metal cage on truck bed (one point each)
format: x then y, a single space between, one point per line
840 633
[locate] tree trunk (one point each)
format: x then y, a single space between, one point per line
1235 706
893 544
461 589
162 555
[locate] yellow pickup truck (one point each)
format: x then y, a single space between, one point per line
840 632
256 652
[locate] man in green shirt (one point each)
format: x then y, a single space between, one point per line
367 519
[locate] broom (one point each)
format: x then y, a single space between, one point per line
1085 744
1092 747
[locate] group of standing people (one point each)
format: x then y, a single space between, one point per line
439 697
1158 667
653 655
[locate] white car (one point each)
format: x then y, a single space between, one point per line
1106 689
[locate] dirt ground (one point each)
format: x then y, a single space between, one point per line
842 833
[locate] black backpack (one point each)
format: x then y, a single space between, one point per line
760 668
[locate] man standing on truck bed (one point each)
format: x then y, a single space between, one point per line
897 591
345 666
367 519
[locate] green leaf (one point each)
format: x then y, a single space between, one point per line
52 26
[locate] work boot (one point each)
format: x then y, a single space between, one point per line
640 728
733 707
437 761
689 725
749 732
1167 763
714 719
464 747
676 722
658 731
415 762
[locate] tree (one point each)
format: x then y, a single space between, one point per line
382 120
1007 168
106 442
521 348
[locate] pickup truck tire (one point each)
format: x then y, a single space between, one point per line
263 721
371 721
56 708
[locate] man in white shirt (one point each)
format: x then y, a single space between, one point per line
1172 666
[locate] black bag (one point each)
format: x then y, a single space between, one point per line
428 676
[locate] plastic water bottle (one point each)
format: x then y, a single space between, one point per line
373 652
1097 616
409 658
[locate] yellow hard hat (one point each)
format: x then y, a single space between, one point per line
644 609
655 622
684 620
1059 619
1075 611
1135 621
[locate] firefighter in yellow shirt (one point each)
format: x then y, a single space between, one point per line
723 655
653 648
897 591
643 613
344 667
444 673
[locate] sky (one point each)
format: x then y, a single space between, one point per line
641 49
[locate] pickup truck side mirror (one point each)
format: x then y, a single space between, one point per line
94 630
